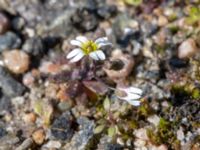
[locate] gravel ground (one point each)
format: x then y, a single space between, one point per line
49 103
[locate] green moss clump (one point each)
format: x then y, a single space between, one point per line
163 134
160 48
196 93
133 2
145 110
187 90
174 29
194 15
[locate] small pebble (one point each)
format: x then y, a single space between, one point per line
39 136
53 144
180 134
34 46
29 118
28 79
18 101
61 94
160 147
3 132
187 49
9 40
154 119
8 117
64 106
139 143
162 21
25 145
107 11
18 23
16 61
62 127
141 134
49 68
9 85
4 23
51 90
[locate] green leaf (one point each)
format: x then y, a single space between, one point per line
44 109
47 113
106 104
194 11
111 131
194 15
133 2
99 129
38 107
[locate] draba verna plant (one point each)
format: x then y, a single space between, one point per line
91 49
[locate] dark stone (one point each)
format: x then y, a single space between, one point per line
85 123
90 4
3 132
4 23
124 39
113 147
84 20
106 11
9 41
5 103
148 29
62 127
18 23
46 17
51 41
34 46
178 63
9 85
84 138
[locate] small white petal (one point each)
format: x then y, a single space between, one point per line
135 90
102 39
74 52
82 39
101 44
76 43
77 57
130 97
94 56
134 103
133 96
100 54
132 90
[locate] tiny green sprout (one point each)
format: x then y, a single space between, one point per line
112 131
133 2
194 15
88 48
44 110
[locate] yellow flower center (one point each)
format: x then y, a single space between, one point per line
89 47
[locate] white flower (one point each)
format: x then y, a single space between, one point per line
132 95
88 47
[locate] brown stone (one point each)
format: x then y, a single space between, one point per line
39 136
4 23
162 21
187 48
29 118
16 61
